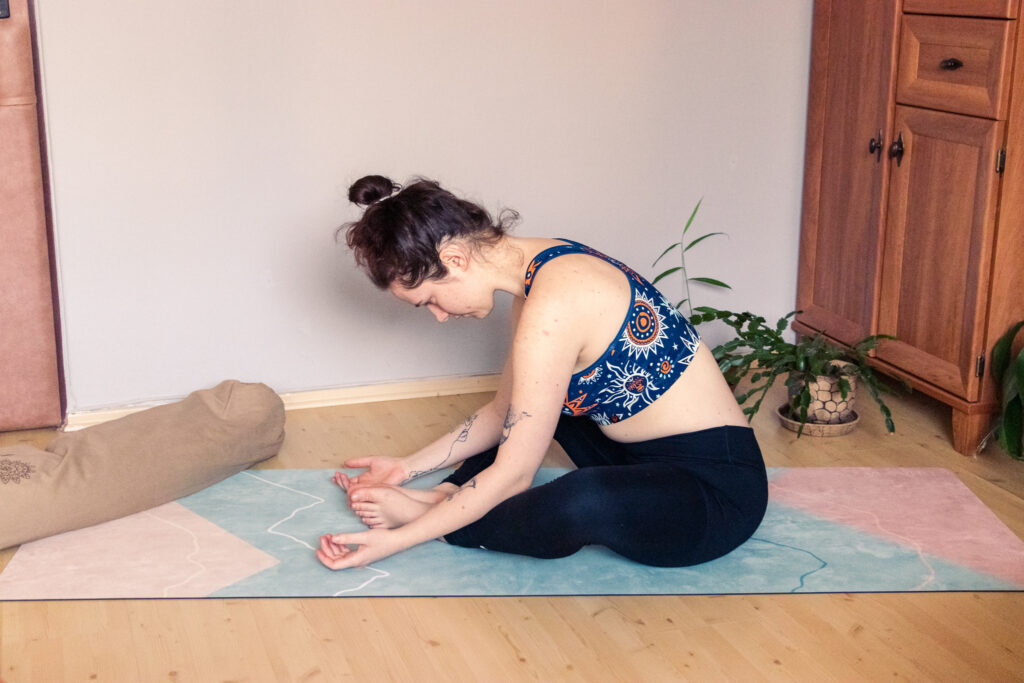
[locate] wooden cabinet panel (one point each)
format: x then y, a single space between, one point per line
939 261
956 64
938 245
845 194
964 8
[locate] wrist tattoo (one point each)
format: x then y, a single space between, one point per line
511 420
461 438
471 484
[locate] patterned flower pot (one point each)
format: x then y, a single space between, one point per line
828 408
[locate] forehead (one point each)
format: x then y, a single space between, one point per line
415 295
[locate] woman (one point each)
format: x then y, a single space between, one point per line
667 471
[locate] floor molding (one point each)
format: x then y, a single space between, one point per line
320 398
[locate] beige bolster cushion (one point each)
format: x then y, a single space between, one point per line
136 462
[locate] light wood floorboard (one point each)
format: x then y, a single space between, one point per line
840 637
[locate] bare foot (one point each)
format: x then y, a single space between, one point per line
389 507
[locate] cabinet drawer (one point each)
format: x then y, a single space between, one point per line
956 64
964 8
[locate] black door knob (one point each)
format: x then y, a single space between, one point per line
896 149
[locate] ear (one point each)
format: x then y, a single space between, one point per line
455 256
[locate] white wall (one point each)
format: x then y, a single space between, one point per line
201 151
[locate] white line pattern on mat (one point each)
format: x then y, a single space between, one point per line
190 558
380 572
297 510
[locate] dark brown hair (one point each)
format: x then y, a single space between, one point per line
399 235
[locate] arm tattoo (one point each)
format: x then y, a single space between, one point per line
511 420
471 484
461 438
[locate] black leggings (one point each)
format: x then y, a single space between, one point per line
669 502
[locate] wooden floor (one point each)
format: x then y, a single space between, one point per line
842 637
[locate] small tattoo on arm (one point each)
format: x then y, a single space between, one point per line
471 484
511 420
461 438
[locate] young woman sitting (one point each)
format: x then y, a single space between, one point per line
667 471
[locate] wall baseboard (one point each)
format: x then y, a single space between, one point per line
322 398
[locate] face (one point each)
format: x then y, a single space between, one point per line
447 298
462 293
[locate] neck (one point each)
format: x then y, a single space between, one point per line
507 261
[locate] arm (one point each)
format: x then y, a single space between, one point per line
477 433
544 352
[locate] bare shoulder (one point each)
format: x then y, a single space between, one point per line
578 301
579 279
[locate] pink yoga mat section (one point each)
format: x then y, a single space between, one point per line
167 552
949 522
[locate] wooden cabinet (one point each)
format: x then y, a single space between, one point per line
913 215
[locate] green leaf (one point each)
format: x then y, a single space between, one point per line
665 252
1011 385
665 274
805 401
700 239
1010 431
710 281
690 219
890 426
844 387
1018 370
1001 351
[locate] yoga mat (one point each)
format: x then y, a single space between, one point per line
835 529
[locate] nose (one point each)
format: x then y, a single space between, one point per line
438 312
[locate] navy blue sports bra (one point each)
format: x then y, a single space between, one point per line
648 354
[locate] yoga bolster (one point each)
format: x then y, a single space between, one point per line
137 462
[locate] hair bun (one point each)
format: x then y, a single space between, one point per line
370 189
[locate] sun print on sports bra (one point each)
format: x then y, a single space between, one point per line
652 348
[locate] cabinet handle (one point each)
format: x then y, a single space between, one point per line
951 64
896 149
875 146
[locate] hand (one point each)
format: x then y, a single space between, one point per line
382 470
373 545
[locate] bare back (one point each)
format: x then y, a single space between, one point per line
598 295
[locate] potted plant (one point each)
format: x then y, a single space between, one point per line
1009 373
762 352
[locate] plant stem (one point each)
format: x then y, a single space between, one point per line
686 277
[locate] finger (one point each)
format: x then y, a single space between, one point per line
332 549
327 547
334 562
342 480
359 462
340 540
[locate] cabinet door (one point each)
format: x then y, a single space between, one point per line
938 247
853 65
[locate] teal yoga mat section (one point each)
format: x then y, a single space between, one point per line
826 530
